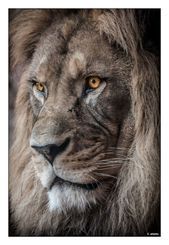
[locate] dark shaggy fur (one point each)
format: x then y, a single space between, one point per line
132 206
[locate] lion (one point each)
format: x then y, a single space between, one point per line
84 157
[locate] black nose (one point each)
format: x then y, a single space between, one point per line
52 150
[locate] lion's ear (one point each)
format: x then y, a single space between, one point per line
25 31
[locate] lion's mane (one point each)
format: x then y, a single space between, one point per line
133 208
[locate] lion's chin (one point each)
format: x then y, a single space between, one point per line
64 195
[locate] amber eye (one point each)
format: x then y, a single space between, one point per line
93 82
40 87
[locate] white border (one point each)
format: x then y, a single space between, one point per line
4 115
84 4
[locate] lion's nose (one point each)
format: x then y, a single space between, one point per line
50 151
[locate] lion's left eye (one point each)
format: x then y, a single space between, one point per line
93 82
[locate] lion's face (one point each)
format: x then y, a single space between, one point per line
79 93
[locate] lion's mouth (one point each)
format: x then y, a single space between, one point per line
88 186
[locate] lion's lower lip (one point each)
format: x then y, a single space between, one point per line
88 186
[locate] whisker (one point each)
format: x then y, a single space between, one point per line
95 180
108 167
111 162
118 148
106 175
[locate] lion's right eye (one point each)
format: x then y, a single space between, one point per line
40 91
40 86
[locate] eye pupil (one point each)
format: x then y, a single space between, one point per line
93 81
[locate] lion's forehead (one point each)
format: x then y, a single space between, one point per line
80 52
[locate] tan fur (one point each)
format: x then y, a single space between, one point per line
133 205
